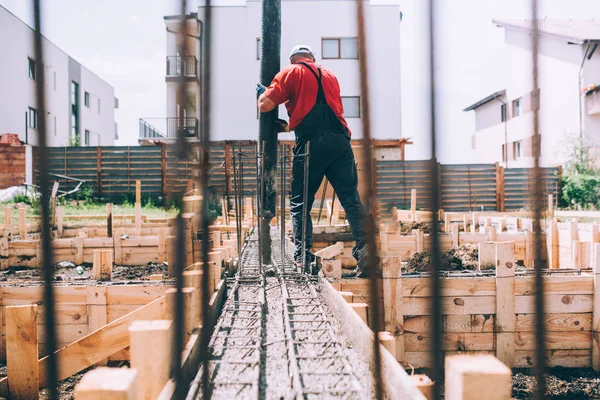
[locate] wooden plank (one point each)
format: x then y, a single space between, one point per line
554 340
581 284
134 295
472 323
100 344
103 263
152 375
505 302
97 310
556 303
477 377
555 358
392 302
108 383
454 305
596 308
452 342
555 322
331 251
22 223
22 351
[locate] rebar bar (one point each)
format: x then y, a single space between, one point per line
51 364
305 210
540 347
369 222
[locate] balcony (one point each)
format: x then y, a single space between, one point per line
168 129
186 66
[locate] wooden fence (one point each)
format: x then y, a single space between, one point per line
112 171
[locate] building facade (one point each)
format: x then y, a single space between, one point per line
80 106
236 52
568 62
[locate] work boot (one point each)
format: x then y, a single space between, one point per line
366 263
310 259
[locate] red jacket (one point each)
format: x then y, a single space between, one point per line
297 88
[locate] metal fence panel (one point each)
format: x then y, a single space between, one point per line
468 187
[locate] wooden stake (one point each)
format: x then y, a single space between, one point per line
596 233
505 302
109 220
162 244
493 234
388 341
413 205
552 245
108 383
475 219
97 311
191 310
193 278
103 263
455 235
249 212
153 366
362 309
60 221
335 213
596 309
529 249
138 219
420 237
22 351
8 224
22 223
78 241
332 268
466 222
392 302
550 206
138 192
447 223
487 255
118 255
576 254
477 377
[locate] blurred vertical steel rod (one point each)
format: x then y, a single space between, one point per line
368 219
47 262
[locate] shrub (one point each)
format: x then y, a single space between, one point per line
581 177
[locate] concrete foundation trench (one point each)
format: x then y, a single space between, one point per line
276 339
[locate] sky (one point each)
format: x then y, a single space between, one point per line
127 49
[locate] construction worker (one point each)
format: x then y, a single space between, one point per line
311 94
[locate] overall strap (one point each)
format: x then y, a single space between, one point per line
320 93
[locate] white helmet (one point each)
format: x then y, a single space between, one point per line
302 49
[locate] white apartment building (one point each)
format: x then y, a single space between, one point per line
568 61
329 27
78 102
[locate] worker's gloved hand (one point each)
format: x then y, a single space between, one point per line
260 89
282 125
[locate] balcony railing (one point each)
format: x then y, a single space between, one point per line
168 128
186 66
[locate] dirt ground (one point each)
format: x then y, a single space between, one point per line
66 272
406 228
463 258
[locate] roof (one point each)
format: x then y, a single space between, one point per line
486 100
578 31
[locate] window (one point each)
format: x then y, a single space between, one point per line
504 154
74 109
258 48
503 112
86 138
351 106
517 107
86 99
32 119
518 149
339 48
32 69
